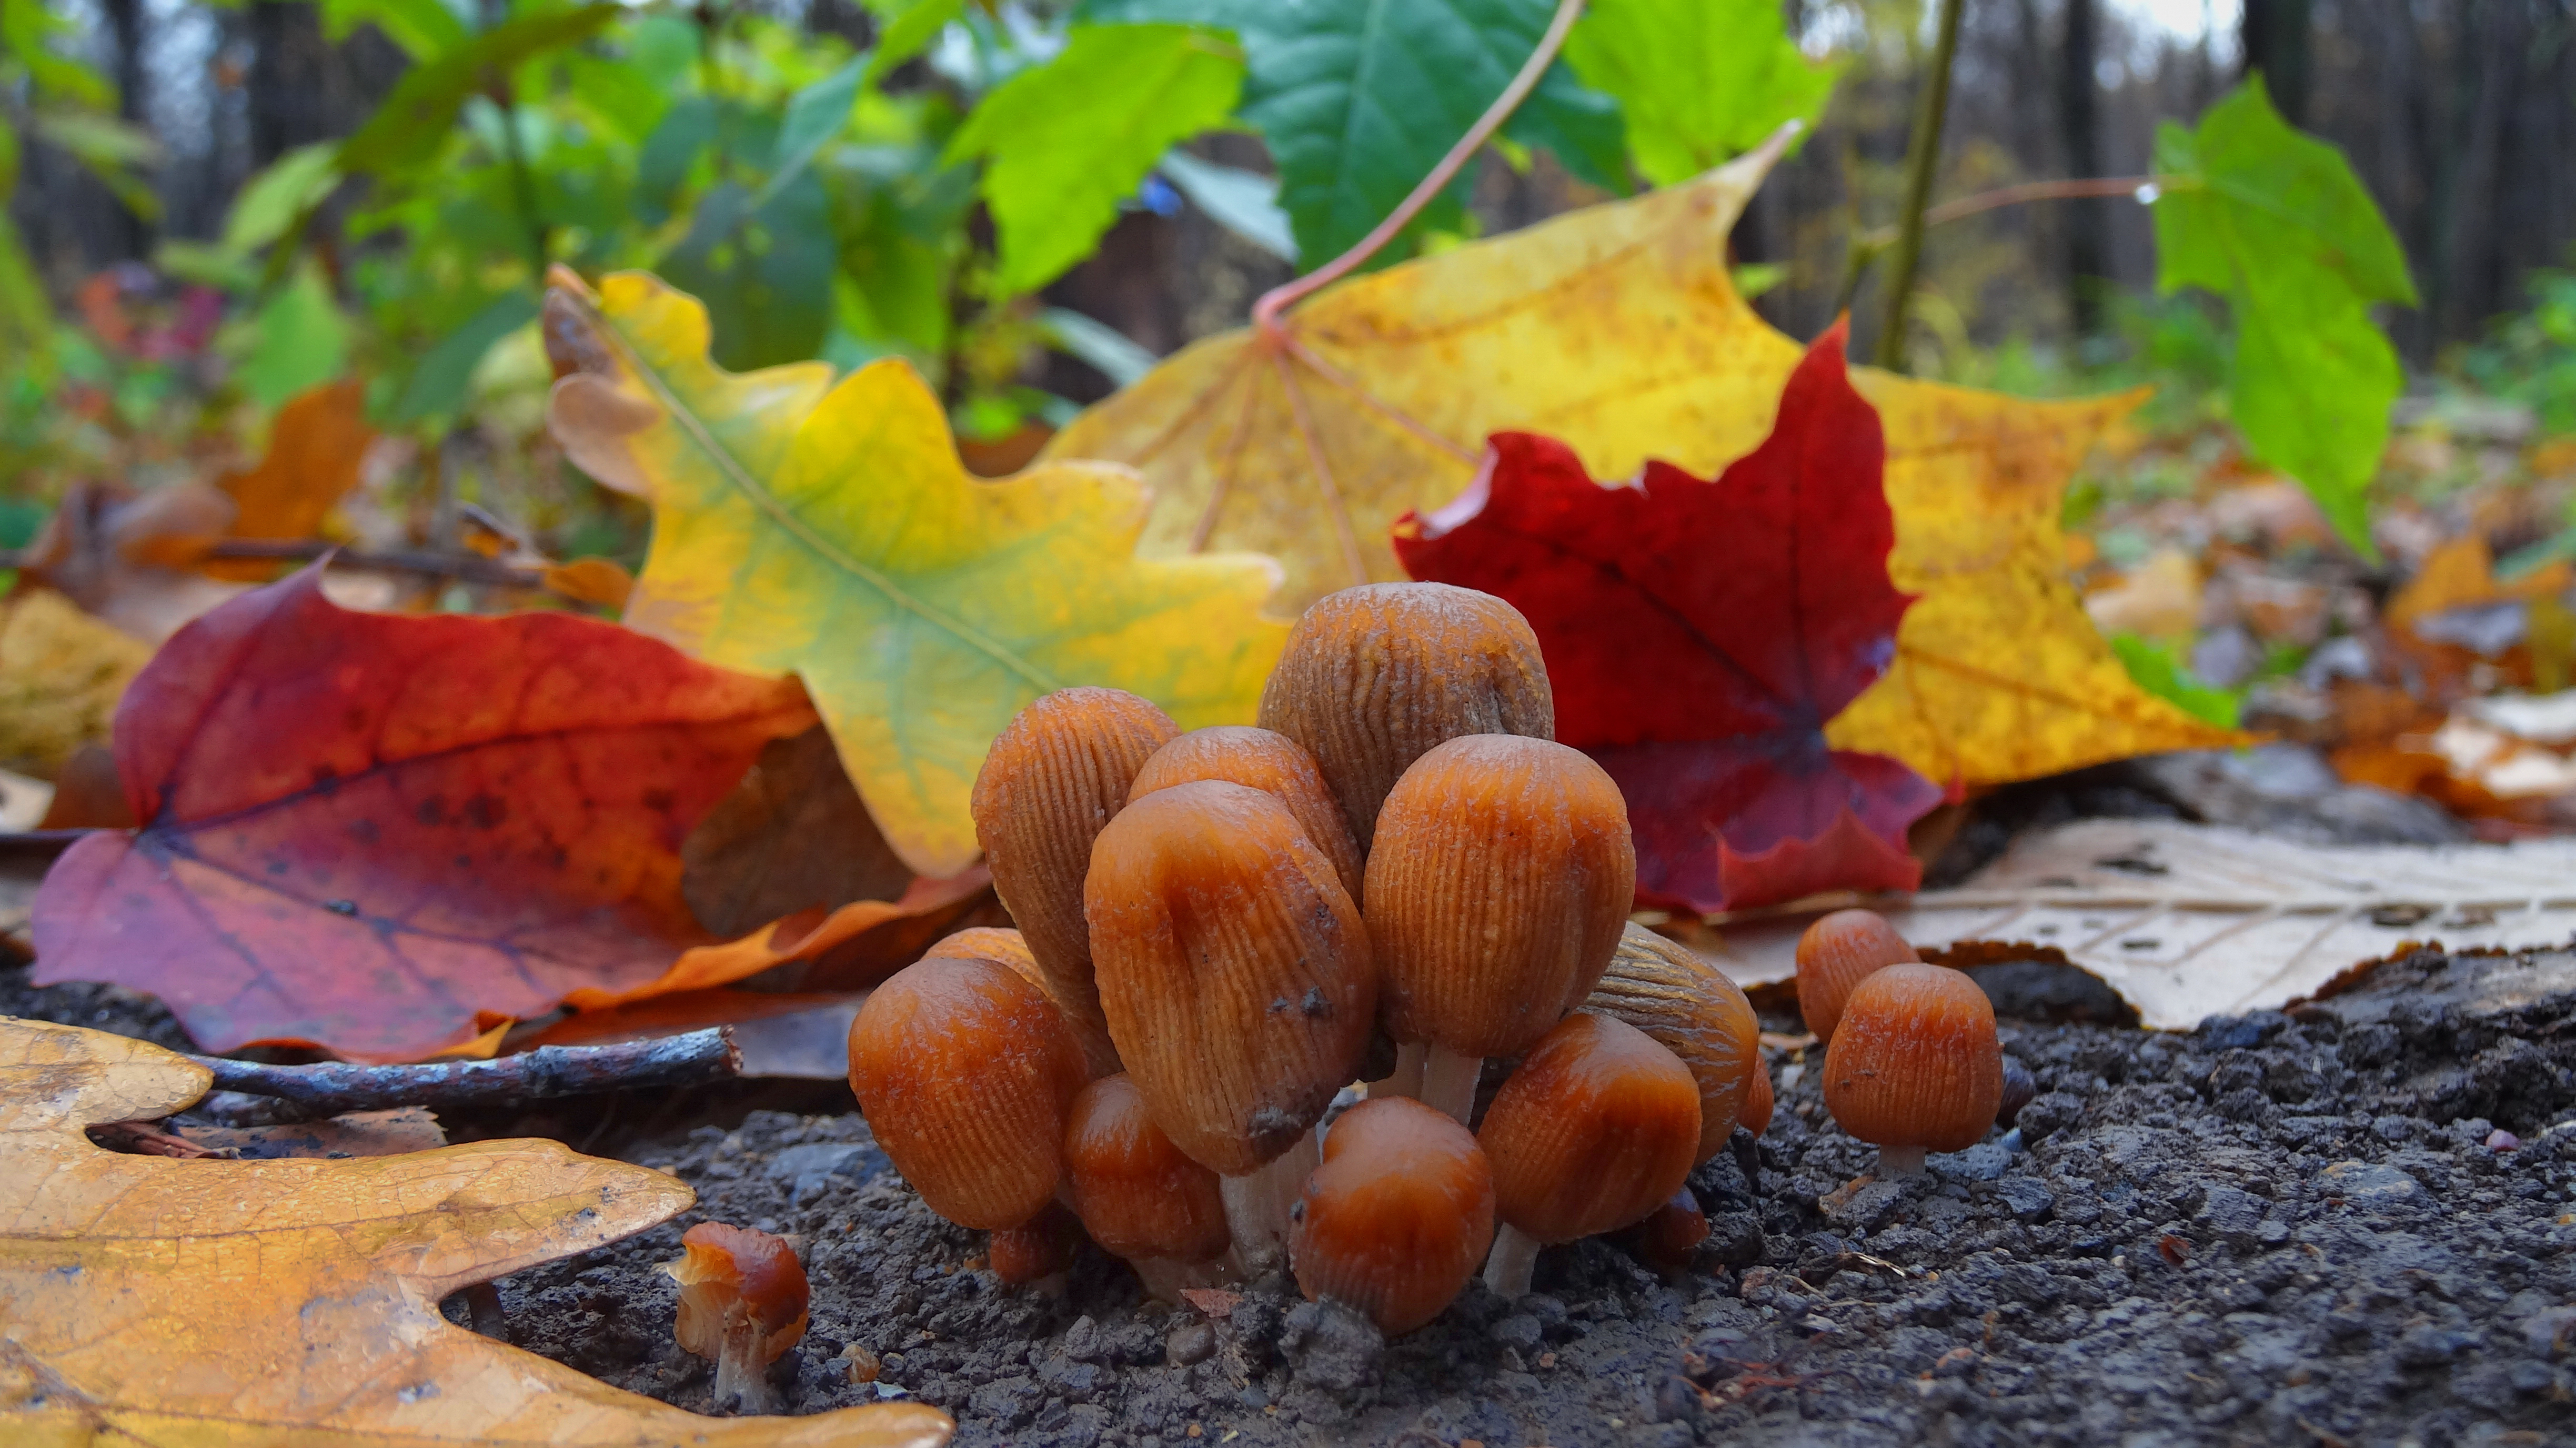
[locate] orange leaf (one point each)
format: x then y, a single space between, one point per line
315 449
154 1300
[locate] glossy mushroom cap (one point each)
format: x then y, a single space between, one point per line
965 1071
1397 1218
1837 953
1672 1232
1009 947
1502 875
1668 991
1374 676
1596 1129
1053 779
1233 968
1915 1064
743 1301
1134 1190
1260 759
1037 1249
1758 1099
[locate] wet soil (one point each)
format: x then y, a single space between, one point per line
2354 1222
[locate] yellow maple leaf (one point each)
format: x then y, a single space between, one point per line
1616 329
829 530
215 1303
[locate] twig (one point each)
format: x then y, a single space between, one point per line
462 567
35 846
335 1087
1922 158
2074 190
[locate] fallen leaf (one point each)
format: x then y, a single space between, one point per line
2461 574
830 530
88 795
129 557
363 829
1616 329
25 803
61 673
2159 599
356 1133
601 581
2189 921
316 447
153 1300
1698 636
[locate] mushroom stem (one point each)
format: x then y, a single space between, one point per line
1256 1205
1406 1078
1507 1271
741 1375
1449 1081
1900 1161
1164 1277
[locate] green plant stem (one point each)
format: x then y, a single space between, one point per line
1922 158
523 184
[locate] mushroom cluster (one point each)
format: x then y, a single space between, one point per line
1912 1060
1218 929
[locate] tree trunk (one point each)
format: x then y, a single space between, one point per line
2276 36
2088 239
130 234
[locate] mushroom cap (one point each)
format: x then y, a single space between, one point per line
1837 953
1233 968
1502 875
733 1276
1040 1247
1667 990
1374 676
1264 760
965 1071
1004 946
1915 1061
1596 1129
1397 1218
1758 1098
1134 1190
1672 1232
1053 779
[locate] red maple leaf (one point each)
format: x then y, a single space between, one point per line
1699 635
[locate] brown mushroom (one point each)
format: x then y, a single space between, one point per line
743 1303
1038 1252
1915 1065
1235 974
1502 875
1670 992
1139 1196
1053 779
1758 1099
1374 676
1595 1130
1009 947
1837 953
1671 1233
1397 1217
965 1071
1260 759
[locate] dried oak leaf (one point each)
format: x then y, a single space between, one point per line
316 447
61 673
153 1300
1698 636
130 556
363 831
1615 329
828 529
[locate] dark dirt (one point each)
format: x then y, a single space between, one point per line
2277 1229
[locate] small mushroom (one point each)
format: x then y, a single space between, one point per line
1374 676
1260 759
1049 784
1139 1196
1004 946
1837 953
1502 875
1671 1233
1235 974
1038 1252
1397 1217
1915 1065
1595 1130
1671 993
965 1071
1758 1099
742 1303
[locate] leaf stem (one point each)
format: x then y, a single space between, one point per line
1266 312
1922 158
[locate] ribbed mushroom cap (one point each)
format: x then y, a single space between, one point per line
1375 676
965 1071
1837 953
1009 947
1758 1099
1502 875
1054 778
1399 1215
1134 1190
1596 1129
1233 968
1264 760
1915 1061
1668 991
1040 1247
736 1278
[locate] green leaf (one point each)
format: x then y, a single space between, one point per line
1243 202
814 116
437 386
662 167
298 339
425 29
407 131
270 202
2276 223
27 29
26 319
2157 671
909 30
1700 81
109 149
764 270
1113 353
1070 139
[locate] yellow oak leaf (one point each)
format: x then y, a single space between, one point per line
212 1303
1616 329
61 673
830 530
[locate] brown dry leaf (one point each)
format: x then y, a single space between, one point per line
1616 329
357 1133
210 1303
600 581
130 557
2159 599
316 448
61 673
2189 921
2461 574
